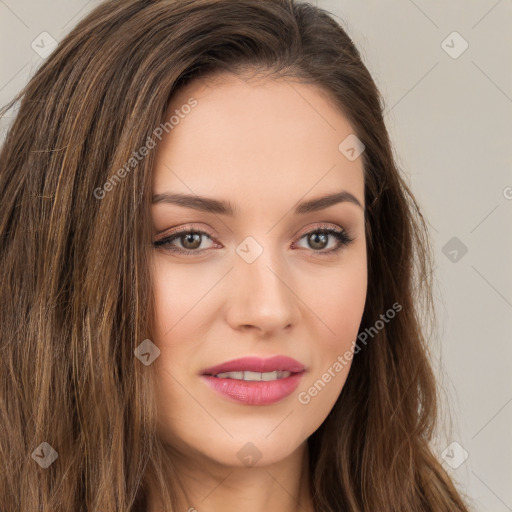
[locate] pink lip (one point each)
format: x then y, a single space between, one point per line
256 392
256 364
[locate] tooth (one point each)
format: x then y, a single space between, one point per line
231 375
252 376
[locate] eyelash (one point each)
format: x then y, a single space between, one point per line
343 239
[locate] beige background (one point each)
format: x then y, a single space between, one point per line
449 113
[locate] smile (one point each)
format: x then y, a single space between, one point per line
254 376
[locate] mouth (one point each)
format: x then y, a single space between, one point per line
256 368
255 381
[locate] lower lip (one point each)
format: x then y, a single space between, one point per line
255 392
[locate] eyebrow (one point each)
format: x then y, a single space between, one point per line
209 204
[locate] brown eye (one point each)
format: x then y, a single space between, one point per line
189 240
318 239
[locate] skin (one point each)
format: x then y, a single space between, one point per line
264 145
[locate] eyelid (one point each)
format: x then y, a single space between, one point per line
322 226
186 228
213 234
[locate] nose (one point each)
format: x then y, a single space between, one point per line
262 295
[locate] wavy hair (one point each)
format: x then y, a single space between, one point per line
75 285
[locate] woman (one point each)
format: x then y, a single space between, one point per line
213 273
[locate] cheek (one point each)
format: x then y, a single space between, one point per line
179 290
177 333
338 307
336 299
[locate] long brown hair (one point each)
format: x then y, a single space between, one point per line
76 289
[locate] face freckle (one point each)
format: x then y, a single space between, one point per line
257 281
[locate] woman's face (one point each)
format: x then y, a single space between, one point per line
259 281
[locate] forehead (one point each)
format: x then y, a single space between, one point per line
257 135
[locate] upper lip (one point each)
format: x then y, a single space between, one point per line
257 364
